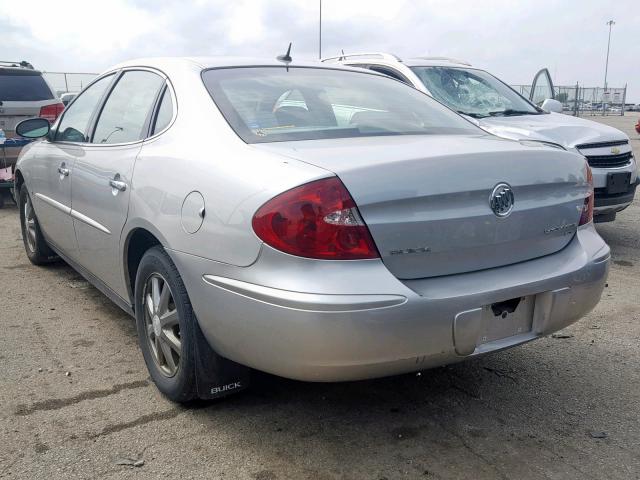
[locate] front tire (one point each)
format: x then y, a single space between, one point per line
35 246
166 326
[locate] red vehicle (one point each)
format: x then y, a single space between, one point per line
638 126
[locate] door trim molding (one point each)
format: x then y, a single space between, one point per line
89 221
74 213
57 205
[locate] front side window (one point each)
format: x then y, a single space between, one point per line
271 104
124 115
74 125
542 87
473 92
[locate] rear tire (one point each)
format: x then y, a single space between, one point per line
35 246
166 326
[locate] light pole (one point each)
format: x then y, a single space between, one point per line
320 34
611 23
606 65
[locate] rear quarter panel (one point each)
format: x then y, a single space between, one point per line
201 153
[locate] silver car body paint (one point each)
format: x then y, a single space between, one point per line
426 197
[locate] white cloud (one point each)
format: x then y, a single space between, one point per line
78 27
245 22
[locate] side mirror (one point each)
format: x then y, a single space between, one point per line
551 105
33 128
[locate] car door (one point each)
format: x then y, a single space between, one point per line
52 173
541 87
102 174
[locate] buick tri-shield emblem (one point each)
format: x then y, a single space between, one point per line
501 200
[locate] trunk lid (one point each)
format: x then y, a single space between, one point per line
426 199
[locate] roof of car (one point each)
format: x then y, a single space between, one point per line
21 67
389 58
201 63
435 62
19 71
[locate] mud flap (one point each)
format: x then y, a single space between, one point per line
217 376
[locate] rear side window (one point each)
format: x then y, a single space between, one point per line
75 121
124 115
18 86
165 113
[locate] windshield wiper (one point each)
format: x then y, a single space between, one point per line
471 114
510 111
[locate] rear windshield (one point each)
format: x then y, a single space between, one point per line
23 86
271 104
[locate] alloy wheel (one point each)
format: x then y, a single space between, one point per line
162 325
30 225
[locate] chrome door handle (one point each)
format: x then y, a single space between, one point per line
63 171
118 185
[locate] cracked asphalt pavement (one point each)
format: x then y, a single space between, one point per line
76 400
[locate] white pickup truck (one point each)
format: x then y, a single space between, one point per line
497 108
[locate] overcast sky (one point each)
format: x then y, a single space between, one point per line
512 39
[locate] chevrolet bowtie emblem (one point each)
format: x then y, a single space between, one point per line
615 150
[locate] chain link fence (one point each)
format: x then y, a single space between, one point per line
63 82
585 101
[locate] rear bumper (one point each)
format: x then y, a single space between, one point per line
382 326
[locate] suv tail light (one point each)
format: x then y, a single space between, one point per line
316 220
587 207
51 112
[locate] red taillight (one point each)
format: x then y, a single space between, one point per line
587 207
51 112
315 220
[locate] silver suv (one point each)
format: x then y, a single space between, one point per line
497 108
24 93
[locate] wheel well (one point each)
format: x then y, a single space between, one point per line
139 242
18 183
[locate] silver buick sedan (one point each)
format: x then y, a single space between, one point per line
315 222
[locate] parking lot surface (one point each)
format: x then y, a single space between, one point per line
76 400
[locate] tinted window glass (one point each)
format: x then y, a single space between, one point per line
473 92
125 112
75 122
23 86
165 112
270 104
